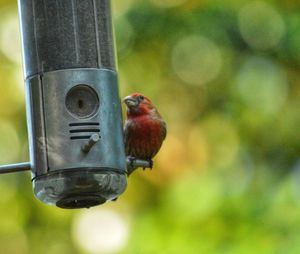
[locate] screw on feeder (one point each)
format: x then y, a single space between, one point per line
92 141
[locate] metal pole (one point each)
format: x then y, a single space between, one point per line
12 168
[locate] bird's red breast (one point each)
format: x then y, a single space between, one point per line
144 129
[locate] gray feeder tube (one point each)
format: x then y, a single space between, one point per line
73 107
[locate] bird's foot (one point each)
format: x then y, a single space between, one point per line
131 161
150 164
134 163
130 164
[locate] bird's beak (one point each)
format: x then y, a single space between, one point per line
130 101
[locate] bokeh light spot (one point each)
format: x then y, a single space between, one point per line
194 196
222 141
196 60
262 85
261 26
100 231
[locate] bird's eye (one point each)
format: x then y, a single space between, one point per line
141 97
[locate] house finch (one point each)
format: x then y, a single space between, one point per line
144 129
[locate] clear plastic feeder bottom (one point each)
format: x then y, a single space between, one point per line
80 188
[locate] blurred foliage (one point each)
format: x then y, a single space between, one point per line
226 77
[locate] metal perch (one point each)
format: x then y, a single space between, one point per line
25 166
136 163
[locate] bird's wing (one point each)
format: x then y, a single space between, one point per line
129 129
125 133
163 129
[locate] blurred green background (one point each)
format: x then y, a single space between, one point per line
226 77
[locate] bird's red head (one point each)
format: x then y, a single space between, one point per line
138 104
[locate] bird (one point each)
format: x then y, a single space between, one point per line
144 129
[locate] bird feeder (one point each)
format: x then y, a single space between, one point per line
73 108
